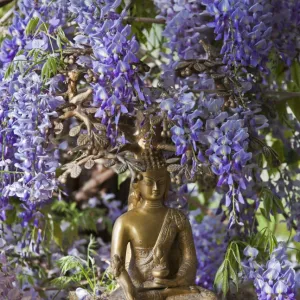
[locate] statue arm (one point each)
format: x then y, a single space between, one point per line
118 253
188 267
187 270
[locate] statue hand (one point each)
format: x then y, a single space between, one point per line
131 295
170 282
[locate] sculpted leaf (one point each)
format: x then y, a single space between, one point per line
218 76
199 67
75 171
137 165
172 160
121 168
101 140
58 128
109 163
83 139
209 64
89 164
189 176
156 120
223 94
75 130
174 168
99 126
182 65
91 110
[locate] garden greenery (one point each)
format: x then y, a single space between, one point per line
221 77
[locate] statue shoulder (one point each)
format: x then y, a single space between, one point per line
179 218
126 218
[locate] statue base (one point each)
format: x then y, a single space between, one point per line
184 293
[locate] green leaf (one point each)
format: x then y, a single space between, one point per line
295 71
11 216
278 203
264 241
49 68
31 26
279 148
59 44
9 71
294 104
270 201
229 269
62 36
294 86
272 243
268 205
267 198
122 177
219 275
234 276
236 253
70 262
144 8
63 281
225 281
57 235
264 214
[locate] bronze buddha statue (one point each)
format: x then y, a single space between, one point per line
158 241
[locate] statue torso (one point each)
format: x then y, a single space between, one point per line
149 231
145 226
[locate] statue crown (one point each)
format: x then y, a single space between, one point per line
152 159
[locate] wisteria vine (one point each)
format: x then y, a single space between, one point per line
72 72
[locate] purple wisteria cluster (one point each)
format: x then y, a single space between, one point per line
29 161
186 25
118 86
218 139
54 14
28 158
10 47
9 286
287 185
210 243
251 30
273 280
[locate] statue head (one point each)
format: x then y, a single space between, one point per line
153 184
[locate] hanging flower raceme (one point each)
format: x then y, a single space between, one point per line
186 26
273 280
49 16
30 166
117 86
28 160
26 108
218 139
251 30
210 243
10 47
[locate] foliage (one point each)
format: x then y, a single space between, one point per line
80 272
215 84
264 241
82 269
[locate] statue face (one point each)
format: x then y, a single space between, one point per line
153 185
